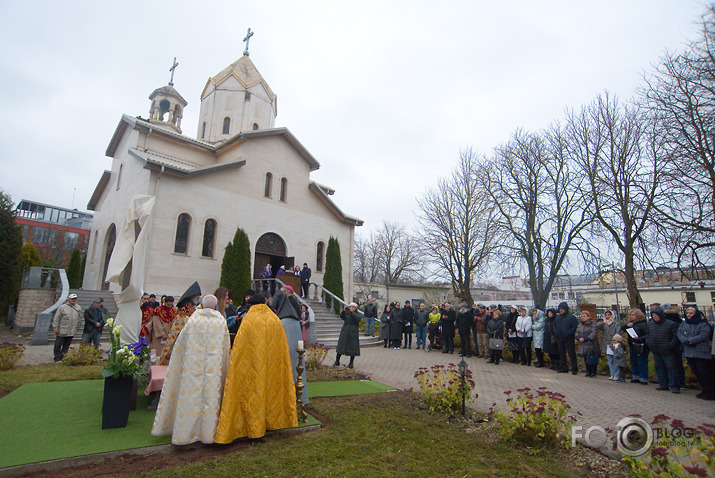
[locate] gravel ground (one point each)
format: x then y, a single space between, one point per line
34 354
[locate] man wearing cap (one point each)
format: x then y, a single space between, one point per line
481 345
408 315
93 323
65 324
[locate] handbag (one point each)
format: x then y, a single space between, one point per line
496 344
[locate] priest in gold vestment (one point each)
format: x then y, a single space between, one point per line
191 398
260 393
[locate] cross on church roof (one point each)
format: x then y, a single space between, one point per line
249 34
173 67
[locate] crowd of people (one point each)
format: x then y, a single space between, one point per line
531 336
267 273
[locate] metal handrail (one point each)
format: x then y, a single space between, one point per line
43 320
325 292
259 282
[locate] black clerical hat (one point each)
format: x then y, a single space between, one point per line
193 290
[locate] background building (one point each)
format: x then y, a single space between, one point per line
54 230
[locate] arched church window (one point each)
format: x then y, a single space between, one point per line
255 126
182 233
209 232
269 184
284 189
319 256
203 130
226 125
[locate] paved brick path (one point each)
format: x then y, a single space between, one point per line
601 401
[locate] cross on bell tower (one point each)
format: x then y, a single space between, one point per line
249 34
173 67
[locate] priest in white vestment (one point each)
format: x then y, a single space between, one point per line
190 401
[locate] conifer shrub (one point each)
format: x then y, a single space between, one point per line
30 256
333 278
74 270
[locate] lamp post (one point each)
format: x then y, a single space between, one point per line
463 373
615 288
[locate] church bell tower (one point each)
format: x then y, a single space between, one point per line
236 100
167 105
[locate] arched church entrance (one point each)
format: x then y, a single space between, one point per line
271 249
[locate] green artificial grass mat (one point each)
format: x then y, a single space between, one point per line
53 420
346 387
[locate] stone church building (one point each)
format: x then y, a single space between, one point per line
240 171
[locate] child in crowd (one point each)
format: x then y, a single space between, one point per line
619 357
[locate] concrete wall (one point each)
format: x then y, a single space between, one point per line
703 297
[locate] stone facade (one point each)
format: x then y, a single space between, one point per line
30 303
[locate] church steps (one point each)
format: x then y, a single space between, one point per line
328 325
84 300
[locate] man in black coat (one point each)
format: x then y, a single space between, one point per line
305 274
449 317
565 325
93 323
370 312
671 313
396 326
408 314
663 341
465 321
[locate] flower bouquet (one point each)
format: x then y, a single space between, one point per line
126 370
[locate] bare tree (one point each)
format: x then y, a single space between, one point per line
389 255
543 205
621 156
455 218
398 252
680 95
366 272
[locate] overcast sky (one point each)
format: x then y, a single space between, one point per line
383 93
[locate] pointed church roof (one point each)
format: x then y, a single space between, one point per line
244 71
168 90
